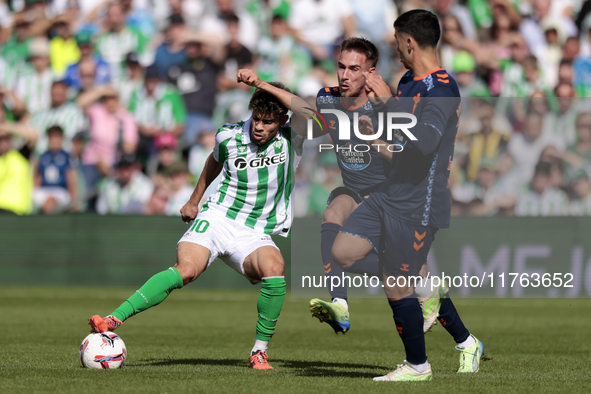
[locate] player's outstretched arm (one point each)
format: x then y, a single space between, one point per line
211 170
297 105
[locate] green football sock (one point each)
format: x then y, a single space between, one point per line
152 293
269 306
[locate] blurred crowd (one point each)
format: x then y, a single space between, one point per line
112 106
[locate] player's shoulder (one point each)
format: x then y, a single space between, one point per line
330 91
440 83
229 130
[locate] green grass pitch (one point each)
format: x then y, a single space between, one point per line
199 340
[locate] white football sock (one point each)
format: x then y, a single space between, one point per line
259 345
342 302
420 367
470 341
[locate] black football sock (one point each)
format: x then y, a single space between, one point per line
408 318
450 320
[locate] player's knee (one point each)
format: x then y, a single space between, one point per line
275 269
188 273
332 215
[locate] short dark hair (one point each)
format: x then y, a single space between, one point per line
55 129
422 25
231 18
364 46
542 168
264 103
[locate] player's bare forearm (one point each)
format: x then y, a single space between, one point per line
211 170
294 103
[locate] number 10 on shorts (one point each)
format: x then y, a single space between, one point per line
200 226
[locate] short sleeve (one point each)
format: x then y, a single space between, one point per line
222 138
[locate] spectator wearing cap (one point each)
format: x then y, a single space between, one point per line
101 75
33 85
112 132
540 198
125 193
118 39
16 50
167 154
158 108
580 204
55 178
63 48
16 182
63 113
133 81
532 28
180 188
464 69
196 81
172 51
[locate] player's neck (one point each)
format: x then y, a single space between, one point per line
425 65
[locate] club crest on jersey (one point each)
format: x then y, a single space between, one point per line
278 144
241 163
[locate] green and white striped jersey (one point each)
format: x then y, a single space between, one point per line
34 89
114 46
257 181
68 116
553 202
164 110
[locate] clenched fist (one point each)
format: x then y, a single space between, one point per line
249 77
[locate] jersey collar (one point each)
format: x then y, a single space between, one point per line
429 73
246 131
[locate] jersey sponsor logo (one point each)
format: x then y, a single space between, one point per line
242 149
353 159
241 163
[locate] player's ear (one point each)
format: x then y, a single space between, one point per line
372 70
283 120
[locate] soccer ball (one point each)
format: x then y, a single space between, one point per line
105 350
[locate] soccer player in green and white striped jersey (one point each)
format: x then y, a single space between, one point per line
258 158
